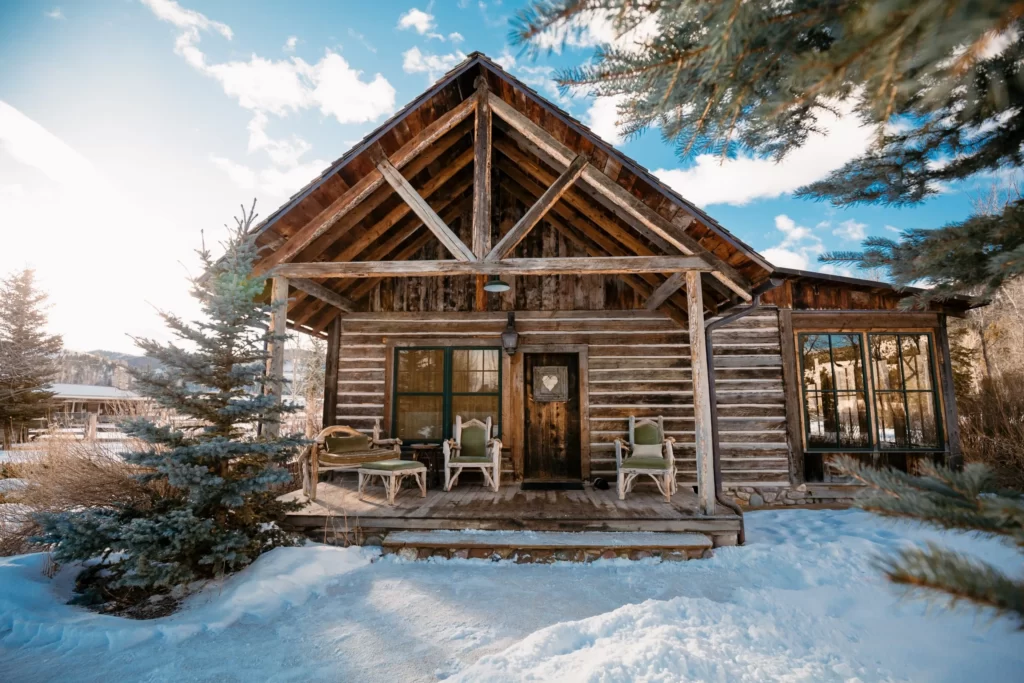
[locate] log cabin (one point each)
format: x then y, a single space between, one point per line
482 233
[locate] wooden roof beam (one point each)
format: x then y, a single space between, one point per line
611 265
481 241
364 187
317 290
666 290
421 208
625 204
539 209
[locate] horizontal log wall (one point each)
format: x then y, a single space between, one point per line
638 365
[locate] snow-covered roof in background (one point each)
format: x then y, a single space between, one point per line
93 392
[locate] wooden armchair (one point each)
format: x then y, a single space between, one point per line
649 452
472 447
343 448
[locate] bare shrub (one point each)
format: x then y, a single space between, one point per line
68 475
992 427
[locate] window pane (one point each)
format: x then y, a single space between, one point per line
885 356
419 417
852 412
475 370
916 365
821 422
846 358
477 407
421 370
921 420
817 362
892 420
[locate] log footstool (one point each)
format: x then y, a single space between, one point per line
391 473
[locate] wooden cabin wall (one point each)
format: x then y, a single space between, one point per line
637 363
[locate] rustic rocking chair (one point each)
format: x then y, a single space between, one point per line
472 448
649 452
343 448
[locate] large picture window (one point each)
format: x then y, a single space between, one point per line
433 385
835 400
906 405
842 412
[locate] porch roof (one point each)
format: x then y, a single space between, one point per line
420 166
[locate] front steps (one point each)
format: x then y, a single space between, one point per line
548 546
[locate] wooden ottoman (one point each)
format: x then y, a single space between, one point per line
391 473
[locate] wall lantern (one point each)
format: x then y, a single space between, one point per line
510 338
496 285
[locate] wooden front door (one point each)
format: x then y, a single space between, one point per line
552 416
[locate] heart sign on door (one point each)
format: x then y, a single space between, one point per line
551 383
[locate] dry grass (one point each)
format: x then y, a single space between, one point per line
992 427
68 475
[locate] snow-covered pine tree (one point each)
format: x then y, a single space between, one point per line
937 79
968 500
212 510
28 355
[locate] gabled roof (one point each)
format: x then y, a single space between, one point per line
358 238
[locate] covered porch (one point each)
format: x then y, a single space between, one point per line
339 515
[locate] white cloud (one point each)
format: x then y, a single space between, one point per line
281 152
414 61
417 20
32 145
55 13
241 175
602 118
281 86
362 39
506 59
712 180
851 231
591 28
456 37
289 45
799 245
273 183
893 229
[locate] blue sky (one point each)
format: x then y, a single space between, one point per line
127 127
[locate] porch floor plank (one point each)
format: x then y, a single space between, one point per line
475 506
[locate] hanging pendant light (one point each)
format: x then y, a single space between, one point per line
496 285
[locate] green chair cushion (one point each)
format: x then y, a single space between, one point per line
474 442
347 444
393 465
470 460
646 435
645 463
647 451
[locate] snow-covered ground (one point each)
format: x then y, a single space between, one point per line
801 602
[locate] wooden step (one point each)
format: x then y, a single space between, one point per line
546 546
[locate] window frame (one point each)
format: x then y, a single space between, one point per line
447 418
869 391
835 393
940 429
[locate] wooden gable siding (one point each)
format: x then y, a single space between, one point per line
637 363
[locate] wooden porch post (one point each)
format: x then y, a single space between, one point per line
701 395
278 327
950 414
331 373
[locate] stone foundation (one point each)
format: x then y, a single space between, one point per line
753 497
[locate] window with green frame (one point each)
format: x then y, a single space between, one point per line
434 384
904 400
835 397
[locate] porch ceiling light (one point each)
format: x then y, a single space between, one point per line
510 338
496 284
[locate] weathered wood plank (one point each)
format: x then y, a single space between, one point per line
315 289
701 396
331 372
664 291
481 241
550 266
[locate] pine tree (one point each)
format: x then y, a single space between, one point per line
28 356
940 80
212 509
969 500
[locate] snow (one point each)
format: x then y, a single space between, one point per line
544 539
801 602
